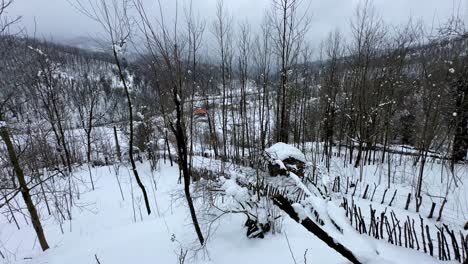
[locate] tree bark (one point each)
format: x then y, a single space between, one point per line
460 141
183 163
312 227
130 151
35 220
117 145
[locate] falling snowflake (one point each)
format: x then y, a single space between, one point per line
452 70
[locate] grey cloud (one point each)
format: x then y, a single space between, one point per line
59 20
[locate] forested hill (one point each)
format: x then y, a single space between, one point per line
225 142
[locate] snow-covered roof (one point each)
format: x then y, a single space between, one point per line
282 151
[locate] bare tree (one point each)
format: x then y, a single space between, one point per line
456 30
244 43
262 60
222 30
289 29
330 90
115 21
166 48
7 87
368 32
195 30
49 87
23 186
5 22
85 96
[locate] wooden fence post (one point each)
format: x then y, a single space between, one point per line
408 199
432 210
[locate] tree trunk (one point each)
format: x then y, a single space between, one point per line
182 151
24 188
117 146
460 141
130 151
315 229
62 136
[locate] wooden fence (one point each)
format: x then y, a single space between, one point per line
443 243
409 234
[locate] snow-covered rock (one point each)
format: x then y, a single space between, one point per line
284 158
283 151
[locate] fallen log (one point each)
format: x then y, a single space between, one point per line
315 229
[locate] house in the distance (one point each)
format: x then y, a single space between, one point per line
201 114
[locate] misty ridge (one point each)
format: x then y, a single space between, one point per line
280 131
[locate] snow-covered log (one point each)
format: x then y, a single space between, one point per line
315 229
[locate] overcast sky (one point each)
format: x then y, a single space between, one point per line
59 20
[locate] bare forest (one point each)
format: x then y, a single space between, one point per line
181 137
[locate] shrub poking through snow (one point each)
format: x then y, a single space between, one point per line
260 211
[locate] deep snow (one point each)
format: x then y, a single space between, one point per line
104 225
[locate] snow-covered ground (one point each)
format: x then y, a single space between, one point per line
117 230
103 225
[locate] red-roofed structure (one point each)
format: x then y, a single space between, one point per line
200 112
